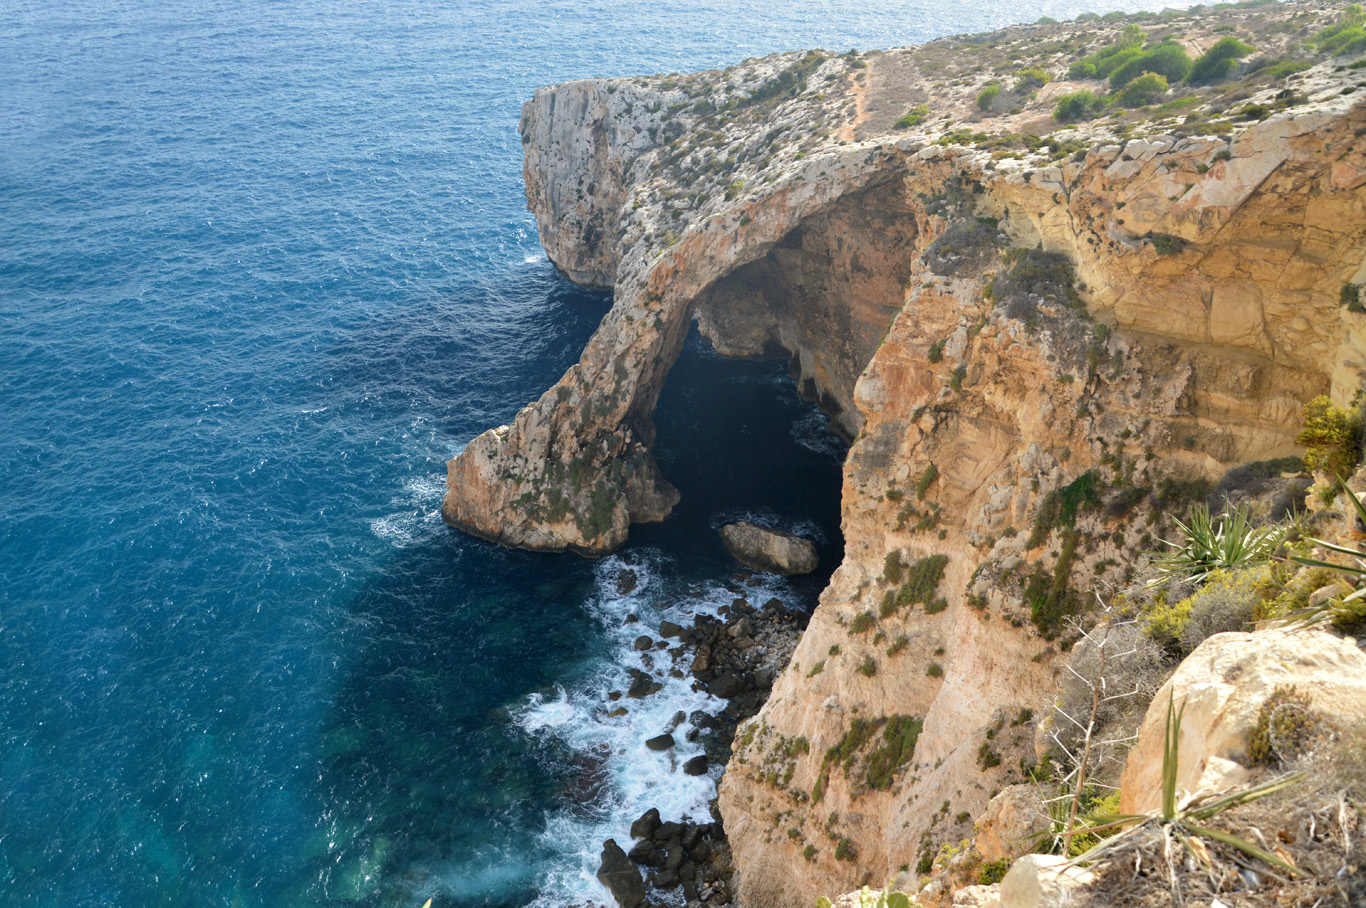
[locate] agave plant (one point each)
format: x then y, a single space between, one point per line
1182 818
1343 609
1227 542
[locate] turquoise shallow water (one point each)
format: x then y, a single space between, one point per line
263 269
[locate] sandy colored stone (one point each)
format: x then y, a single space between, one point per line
1222 686
764 549
1011 818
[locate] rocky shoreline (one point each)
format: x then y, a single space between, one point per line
735 656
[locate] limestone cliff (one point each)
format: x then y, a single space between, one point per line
1039 338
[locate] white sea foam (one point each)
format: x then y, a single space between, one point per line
635 777
419 511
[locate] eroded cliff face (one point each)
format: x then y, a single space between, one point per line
1037 348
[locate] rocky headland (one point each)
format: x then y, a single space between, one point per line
1050 312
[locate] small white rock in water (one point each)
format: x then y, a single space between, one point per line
774 551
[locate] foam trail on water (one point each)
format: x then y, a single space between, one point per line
624 776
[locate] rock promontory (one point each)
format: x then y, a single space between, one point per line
1048 313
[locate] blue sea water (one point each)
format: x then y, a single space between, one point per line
264 267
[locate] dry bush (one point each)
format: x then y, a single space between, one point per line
1134 670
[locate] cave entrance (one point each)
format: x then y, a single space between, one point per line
739 443
823 296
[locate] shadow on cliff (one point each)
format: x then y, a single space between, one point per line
423 782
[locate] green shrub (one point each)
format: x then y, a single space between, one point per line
927 479
898 736
1030 78
862 622
987 758
988 96
1078 106
1214 64
1350 298
867 668
936 351
993 872
1167 60
893 568
1146 89
1060 508
935 670
1228 601
914 117
1333 436
1109 58
1345 37
922 582
956 377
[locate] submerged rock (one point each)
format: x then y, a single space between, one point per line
774 551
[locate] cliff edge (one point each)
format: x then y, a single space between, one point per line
1042 338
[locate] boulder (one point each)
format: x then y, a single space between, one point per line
620 876
645 825
669 629
1015 813
1223 685
774 551
1042 881
697 766
660 742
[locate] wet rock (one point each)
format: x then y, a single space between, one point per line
664 879
700 852
626 582
645 825
618 712
669 629
774 551
727 685
620 876
742 628
666 831
674 856
640 684
660 742
644 642
697 766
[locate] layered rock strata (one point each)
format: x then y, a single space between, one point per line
1039 340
